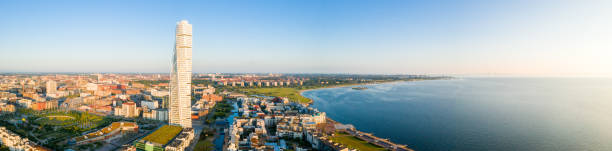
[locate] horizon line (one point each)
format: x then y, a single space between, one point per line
336 73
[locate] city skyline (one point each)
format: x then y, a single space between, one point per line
305 75
532 38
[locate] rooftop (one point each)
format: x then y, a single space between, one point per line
163 135
114 126
176 143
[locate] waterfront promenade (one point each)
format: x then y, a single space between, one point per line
385 143
368 137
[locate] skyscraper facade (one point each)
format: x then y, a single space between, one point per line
180 82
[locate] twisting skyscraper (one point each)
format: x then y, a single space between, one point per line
180 82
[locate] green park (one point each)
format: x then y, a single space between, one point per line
354 142
52 128
292 93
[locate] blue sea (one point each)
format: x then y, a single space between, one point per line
472 114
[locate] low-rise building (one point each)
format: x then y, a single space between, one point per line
17 143
149 114
159 93
25 103
132 91
149 104
212 97
114 131
166 138
7 95
6 108
46 105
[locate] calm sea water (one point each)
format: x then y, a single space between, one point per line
540 114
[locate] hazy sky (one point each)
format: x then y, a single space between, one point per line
485 37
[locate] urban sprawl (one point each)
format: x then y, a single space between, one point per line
177 111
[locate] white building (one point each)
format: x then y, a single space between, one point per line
162 114
149 114
51 88
15 142
320 118
180 83
159 93
208 90
25 103
127 109
181 141
91 86
149 104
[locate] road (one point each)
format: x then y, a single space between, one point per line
198 126
120 142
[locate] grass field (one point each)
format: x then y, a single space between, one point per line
205 142
354 142
60 118
54 126
164 134
83 120
292 93
56 121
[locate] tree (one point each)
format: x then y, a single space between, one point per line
204 146
4 148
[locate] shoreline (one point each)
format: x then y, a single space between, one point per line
359 134
349 85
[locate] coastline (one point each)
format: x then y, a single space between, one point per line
349 85
369 137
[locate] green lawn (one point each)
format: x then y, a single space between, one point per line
60 118
164 134
53 125
354 142
4 148
222 110
205 141
67 124
292 93
85 121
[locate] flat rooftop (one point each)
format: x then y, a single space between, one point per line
108 129
163 135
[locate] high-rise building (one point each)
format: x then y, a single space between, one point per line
51 88
180 84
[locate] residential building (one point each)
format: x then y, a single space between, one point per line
51 88
208 90
127 109
180 82
166 138
16 143
91 86
6 108
162 114
25 103
46 105
212 98
159 93
149 104
149 114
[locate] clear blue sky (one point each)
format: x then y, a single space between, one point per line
305 36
